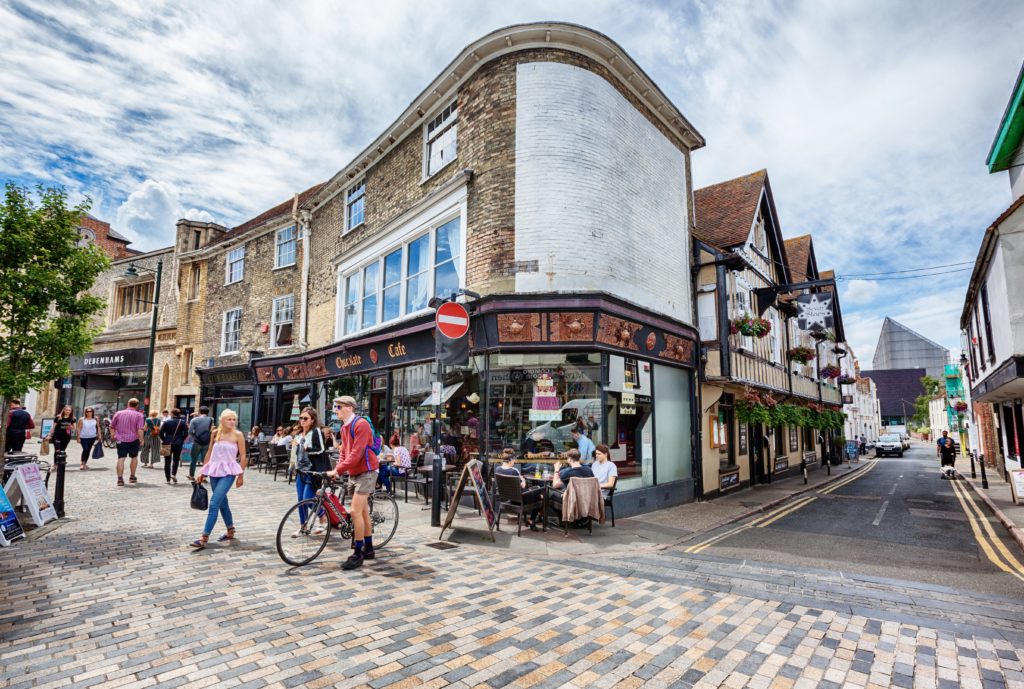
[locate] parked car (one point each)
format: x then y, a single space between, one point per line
889 444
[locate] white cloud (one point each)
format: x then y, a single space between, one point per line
149 214
873 118
859 291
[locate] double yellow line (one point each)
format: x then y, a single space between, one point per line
778 513
986 537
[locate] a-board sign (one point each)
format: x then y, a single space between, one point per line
26 484
10 527
472 475
1017 484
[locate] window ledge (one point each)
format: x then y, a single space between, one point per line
282 346
237 351
352 229
235 282
287 265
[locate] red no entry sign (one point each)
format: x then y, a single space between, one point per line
452 320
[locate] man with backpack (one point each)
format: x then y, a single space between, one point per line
357 457
199 431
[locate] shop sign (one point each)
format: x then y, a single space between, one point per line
781 464
727 481
385 354
242 376
814 312
628 405
26 484
114 358
545 415
10 527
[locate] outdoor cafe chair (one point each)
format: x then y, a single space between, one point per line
558 501
510 497
280 457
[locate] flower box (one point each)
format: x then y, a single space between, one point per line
749 326
801 355
831 371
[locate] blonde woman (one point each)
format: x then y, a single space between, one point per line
151 441
224 464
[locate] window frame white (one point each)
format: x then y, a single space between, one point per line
447 119
228 261
195 279
278 244
224 331
274 322
743 292
357 271
350 202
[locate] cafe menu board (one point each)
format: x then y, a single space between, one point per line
1017 485
471 475
10 527
27 484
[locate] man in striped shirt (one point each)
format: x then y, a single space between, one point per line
128 425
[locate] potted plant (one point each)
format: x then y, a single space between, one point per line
801 355
846 380
831 371
960 406
750 326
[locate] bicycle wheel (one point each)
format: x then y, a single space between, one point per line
384 517
297 543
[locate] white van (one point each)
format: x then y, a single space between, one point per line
561 430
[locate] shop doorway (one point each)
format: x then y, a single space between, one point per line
758 454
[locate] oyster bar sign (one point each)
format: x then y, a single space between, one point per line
112 359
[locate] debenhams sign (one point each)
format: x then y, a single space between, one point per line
112 359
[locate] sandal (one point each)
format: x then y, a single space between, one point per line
229 536
200 542
120 481
132 479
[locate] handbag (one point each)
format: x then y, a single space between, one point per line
97 451
44 447
200 498
165 450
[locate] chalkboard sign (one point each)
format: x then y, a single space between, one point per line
1017 485
472 475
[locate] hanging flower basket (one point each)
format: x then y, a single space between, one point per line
801 355
750 326
846 380
831 371
960 406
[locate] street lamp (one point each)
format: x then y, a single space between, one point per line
133 272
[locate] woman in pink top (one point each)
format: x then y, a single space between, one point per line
225 462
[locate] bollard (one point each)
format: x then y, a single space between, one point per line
437 476
971 455
803 469
984 478
60 460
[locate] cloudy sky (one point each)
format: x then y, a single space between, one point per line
873 118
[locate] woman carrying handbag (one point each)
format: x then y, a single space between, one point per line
63 429
225 462
172 438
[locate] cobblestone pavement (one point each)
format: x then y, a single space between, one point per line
115 598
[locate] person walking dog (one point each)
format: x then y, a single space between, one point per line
224 465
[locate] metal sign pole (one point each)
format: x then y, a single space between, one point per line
437 475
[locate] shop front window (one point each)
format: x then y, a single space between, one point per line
629 411
535 400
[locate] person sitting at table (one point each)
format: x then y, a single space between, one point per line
530 495
560 480
395 460
282 437
256 435
604 469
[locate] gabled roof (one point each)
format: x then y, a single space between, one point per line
280 210
117 236
726 211
981 262
1011 129
800 256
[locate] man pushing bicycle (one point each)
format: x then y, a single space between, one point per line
357 458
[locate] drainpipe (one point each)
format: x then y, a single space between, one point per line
302 223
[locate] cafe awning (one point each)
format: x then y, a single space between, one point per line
448 393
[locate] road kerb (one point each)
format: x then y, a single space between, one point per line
1015 531
762 508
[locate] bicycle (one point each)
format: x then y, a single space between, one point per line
107 436
301 540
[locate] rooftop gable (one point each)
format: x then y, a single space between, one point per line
281 210
1011 129
726 211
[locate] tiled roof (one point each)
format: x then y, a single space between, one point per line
827 275
798 254
726 211
281 209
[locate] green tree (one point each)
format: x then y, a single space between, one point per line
46 311
932 389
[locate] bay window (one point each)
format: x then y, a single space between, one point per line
402 281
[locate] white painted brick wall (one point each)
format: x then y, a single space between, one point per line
600 193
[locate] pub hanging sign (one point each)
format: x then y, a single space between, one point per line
814 312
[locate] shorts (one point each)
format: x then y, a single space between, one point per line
128 449
365 483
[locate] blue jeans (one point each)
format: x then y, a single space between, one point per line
219 503
197 456
305 491
386 472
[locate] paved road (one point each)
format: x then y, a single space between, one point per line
115 598
896 519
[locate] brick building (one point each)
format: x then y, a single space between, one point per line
543 170
105 237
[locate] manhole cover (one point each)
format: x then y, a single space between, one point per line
442 545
